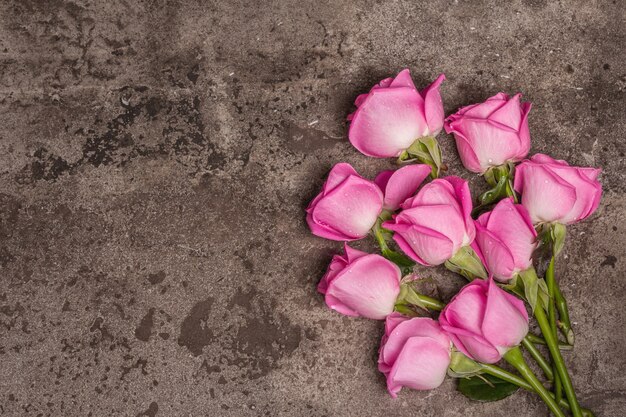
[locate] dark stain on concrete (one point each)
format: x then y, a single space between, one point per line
195 332
609 260
156 278
152 410
144 330
266 336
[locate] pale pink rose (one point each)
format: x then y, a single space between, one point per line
506 239
484 321
361 284
491 133
553 191
394 114
414 353
400 184
347 207
435 223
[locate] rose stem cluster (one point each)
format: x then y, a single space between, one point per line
436 222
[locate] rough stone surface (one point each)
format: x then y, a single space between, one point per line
155 160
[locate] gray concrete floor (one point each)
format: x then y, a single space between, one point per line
155 160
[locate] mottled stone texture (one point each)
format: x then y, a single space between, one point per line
155 160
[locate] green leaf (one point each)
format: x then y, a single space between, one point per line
486 388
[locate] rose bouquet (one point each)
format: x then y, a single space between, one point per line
494 242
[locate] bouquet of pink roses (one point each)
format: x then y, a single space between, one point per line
492 243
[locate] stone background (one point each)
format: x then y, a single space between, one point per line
155 161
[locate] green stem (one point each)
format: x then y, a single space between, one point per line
378 235
515 358
520 382
550 281
557 359
538 357
540 341
564 323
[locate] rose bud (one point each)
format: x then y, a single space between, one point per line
414 353
484 321
361 284
553 191
506 239
347 207
394 114
491 133
435 223
400 184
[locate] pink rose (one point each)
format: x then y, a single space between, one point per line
414 353
491 133
506 239
394 114
361 284
401 184
435 223
347 207
553 191
484 321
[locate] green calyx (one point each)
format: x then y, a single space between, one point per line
409 298
500 178
463 367
552 235
530 287
427 151
466 262
382 236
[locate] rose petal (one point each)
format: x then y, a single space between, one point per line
506 321
403 183
383 178
406 329
368 287
388 122
586 191
485 109
351 208
403 79
352 254
509 114
498 258
433 106
423 244
546 196
422 365
338 174
467 308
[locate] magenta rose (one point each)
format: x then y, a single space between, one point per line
347 207
361 284
394 114
400 184
414 353
491 133
506 239
484 321
435 223
553 191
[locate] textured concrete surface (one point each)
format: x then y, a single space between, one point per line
155 160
